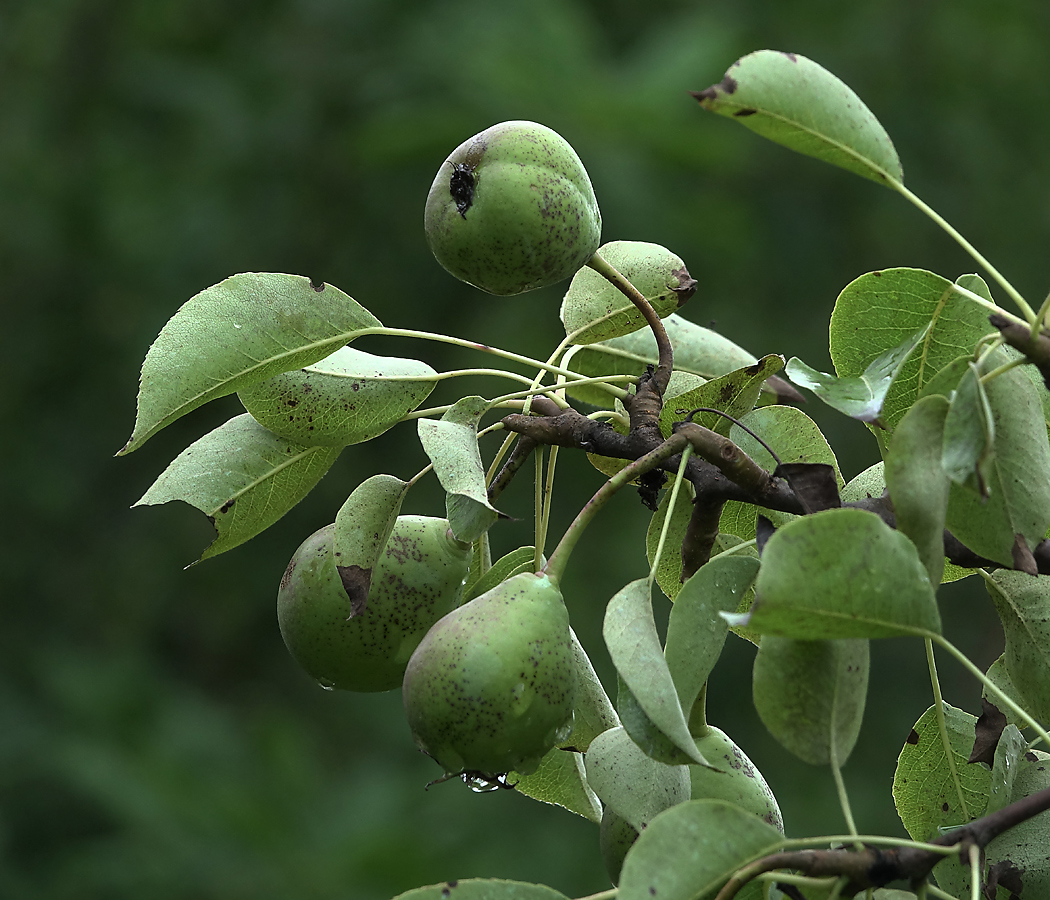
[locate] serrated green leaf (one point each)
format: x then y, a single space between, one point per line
1018 476
923 790
811 695
362 528
735 393
1023 604
842 573
858 396
883 309
451 443
918 484
346 398
242 477
594 310
697 350
483 889
691 850
795 102
696 632
593 712
636 787
240 331
634 647
560 781
669 571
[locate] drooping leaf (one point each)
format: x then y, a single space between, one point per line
841 573
483 889
634 647
1000 678
652 741
795 438
917 481
883 309
793 101
1023 604
240 331
452 445
697 350
594 310
811 695
346 398
513 563
735 393
858 396
691 850
362 529
593 711
560 781
669 570
695 630
242 477
1008 752
636 787
923 790
969 434
1018 476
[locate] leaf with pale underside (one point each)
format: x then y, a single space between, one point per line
560 780
452 445
362 528
795 102
242 477
1023 604
234 334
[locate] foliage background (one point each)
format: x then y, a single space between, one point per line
155 737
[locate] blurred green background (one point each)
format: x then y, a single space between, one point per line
156 740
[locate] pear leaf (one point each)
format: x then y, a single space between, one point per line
452 445
636 787
242 477
1008 752
917 481
652 741
362 528
793 101
595 310
923 790
811 695
634 646
240 331
1023 604
593 712
689 851
669 570
696 632
858 396
841 573
969 434
560 780
483 889
513 563
346 398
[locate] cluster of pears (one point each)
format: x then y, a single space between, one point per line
488 685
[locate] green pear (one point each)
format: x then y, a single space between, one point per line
417 580
491 687
734 779
512 209
615 837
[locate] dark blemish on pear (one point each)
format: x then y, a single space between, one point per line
790 56
356 582
461 187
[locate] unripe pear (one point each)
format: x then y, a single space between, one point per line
491 687
417 579
738 781
512 209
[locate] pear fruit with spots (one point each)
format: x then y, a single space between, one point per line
512 209
418 579
491 688
734 778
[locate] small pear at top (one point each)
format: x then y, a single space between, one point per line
512 210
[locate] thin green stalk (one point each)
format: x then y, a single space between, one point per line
934 891
729 551
601 895
667 518
1022 304
1040 317
1005 367
986 303
975 872
938 705
537 457
559 559
840 786
548 495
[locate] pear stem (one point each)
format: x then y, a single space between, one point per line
698 726
663 343
559 559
